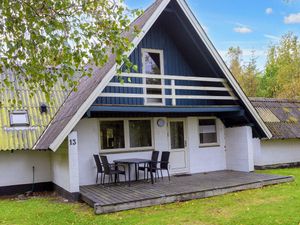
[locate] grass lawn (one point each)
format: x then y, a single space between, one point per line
279 204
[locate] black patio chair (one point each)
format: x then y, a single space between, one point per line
152 165
111 169
164 163
99 168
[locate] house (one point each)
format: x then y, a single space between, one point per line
183 99
282 117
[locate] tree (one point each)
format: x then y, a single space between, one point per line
268 82
66 35
249 80
282 72
234 54
245 73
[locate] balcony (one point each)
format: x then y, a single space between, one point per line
169 90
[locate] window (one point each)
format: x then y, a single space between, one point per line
177 134
112 134
19 118
152 61
126 135
140 133
208 132
153 64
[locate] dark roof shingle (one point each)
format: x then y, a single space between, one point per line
281 116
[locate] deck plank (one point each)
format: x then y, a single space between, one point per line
116 197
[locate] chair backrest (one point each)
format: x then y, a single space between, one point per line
105 164
165 156
154 159
98 163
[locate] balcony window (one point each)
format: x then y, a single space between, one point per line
153 65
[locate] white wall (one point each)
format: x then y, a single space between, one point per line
200 159
60 166
239 148
16 167
277 151
89 144
204 159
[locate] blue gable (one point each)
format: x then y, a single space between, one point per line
183 56
158 38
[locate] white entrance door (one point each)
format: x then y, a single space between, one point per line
178 146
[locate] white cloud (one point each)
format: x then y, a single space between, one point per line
242 29
269 11
292 18
272 37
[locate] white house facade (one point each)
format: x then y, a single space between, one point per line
183 99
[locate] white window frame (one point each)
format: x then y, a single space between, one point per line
126 136
20 112
162 70
215 144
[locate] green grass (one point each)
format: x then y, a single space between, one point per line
279 204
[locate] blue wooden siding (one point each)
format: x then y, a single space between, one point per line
158 38
174 64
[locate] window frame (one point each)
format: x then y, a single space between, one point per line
214 144
100 134
162 70
127 147
14 112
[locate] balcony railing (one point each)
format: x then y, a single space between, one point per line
157 88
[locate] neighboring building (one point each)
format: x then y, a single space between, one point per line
282 117
183 99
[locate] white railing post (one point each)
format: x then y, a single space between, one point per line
173 92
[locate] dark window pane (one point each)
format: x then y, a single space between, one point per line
207 122
154 91
140 133
177 135
208 138
112 134
153 81
152 63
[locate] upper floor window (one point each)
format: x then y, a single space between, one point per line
152 61
153 65
19 118
208 132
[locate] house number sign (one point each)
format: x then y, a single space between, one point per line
73 141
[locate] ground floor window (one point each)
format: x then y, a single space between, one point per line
112 134
208 132
127 134
140 133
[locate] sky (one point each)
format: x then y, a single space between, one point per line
253 25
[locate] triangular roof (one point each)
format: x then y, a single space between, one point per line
77 103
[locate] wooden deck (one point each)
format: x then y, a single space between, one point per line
117 197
